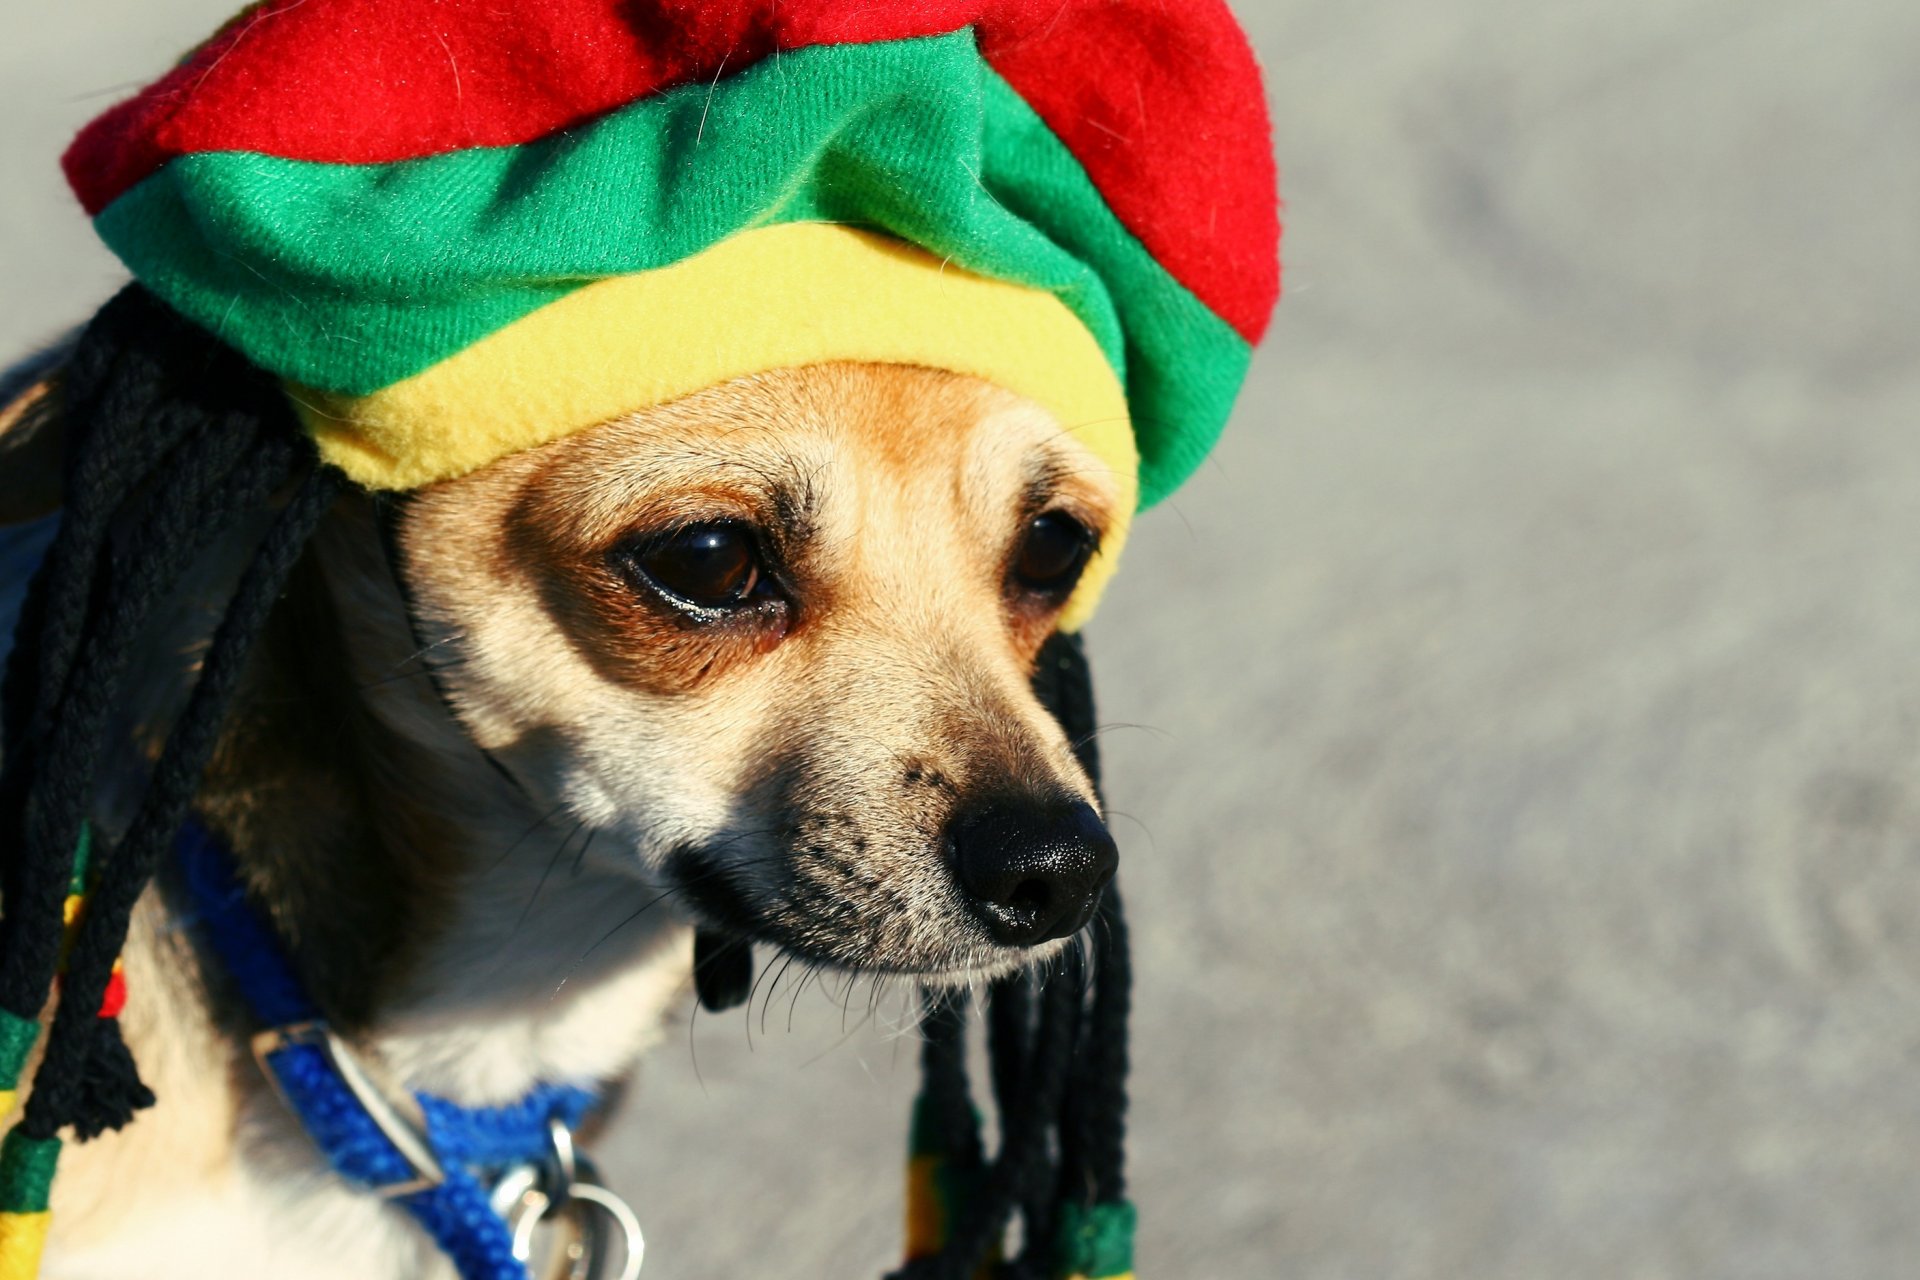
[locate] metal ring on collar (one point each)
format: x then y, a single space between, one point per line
565 1192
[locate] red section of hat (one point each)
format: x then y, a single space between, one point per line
1159 99
1161 102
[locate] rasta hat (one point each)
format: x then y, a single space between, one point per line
458 230
382 243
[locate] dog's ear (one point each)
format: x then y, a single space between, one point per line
31 431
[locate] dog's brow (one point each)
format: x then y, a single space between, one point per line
796 504
1043 476
780 489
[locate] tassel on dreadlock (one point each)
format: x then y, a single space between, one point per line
1058 1060
172 440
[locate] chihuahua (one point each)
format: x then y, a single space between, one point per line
757 662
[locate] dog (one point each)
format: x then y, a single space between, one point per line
757 661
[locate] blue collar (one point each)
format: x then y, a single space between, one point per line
439 1167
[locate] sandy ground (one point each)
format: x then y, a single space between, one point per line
1516 725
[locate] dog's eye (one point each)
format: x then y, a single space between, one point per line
711 566
1053 551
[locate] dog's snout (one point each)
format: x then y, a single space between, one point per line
1032 871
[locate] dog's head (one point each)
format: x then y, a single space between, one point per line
775 643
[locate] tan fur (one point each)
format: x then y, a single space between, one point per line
486 827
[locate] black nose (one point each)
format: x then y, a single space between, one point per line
1032 871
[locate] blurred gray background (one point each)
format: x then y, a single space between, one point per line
1522 711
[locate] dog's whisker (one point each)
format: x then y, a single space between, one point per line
1100 731
552 862
580 859
797 1002
772 988
838 1044
1106 931
522 838
1144 828
420 653
426 669
693 1045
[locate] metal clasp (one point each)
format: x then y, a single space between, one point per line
559 1191
401 1123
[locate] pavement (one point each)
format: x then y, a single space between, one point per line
1516 723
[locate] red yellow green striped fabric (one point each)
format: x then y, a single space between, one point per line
26 1181
1160 100
353 191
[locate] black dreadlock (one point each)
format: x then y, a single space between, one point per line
172 439
1057 1053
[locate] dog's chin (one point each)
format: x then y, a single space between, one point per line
1002 962
940 961
961 968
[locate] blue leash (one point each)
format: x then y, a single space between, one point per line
441 1186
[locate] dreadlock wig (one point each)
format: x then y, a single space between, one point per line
383 244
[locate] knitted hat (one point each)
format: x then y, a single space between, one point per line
462 229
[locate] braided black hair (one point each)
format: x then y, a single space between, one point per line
172 440
1057 1053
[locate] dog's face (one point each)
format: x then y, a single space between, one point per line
774 643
